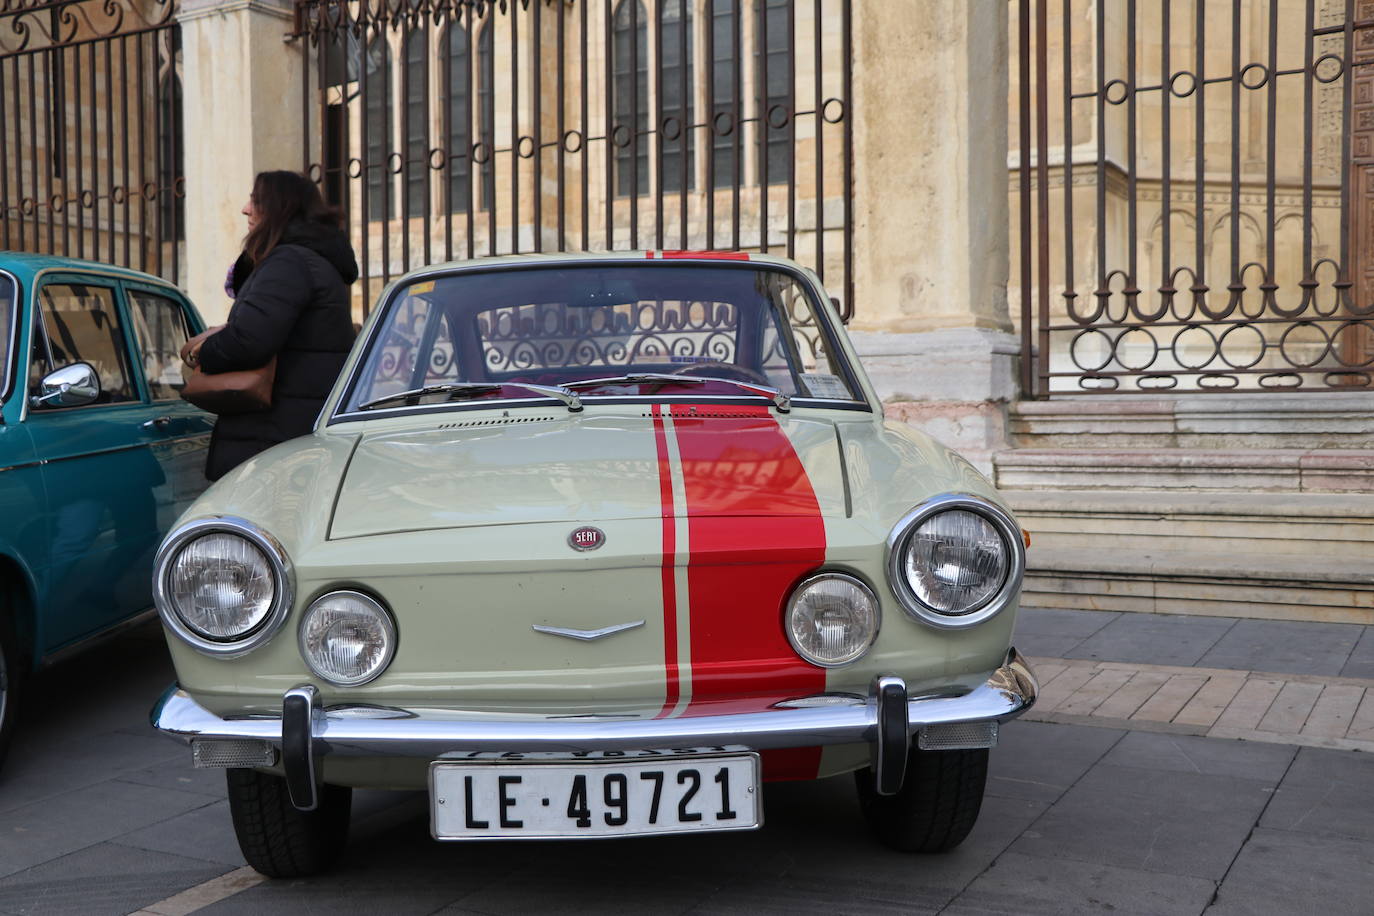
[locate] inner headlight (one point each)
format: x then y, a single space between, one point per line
956 561
347 638
832 619
221 586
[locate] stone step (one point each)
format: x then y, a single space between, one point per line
1320 420
1249 469
1333 525
1231 584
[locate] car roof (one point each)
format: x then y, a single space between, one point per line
616 257
26 265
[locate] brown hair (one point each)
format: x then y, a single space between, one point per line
280 198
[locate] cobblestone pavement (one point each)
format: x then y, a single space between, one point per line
1127 800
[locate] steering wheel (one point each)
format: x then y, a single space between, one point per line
724 370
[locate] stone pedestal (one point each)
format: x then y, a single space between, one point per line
930 236
242 115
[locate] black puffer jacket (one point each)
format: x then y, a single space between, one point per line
294 305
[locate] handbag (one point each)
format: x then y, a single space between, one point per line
240 391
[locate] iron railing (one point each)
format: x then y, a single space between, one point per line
1195 207
90 131
465 128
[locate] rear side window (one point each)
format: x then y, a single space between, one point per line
80 323
161 329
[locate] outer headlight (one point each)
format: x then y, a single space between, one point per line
832 619
955 561
347 638
222 584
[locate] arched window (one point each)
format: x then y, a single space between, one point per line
773 59
415 172
377 106
724 25
486 104
675 93
459 113
630 97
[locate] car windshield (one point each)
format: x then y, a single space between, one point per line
8 322
738 331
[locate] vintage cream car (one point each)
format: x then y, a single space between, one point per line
592 546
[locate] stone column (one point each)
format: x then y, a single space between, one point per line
242 115
930 239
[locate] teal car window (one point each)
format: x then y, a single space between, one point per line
160 328
566 324
81 324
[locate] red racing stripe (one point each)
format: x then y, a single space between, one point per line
755 528
665 486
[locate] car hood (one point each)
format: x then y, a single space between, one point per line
584 468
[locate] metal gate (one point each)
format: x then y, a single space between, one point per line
1196 206
90 131
466 128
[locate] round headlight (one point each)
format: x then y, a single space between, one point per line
221 585
955 561
347 638
832 619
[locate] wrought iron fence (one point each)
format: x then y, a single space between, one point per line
1195 206
465 128
90 131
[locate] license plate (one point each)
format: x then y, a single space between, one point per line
636 793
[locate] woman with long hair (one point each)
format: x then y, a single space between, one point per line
291 302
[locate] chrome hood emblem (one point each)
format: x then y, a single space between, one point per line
587 635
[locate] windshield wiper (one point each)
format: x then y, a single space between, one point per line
780 400
459 390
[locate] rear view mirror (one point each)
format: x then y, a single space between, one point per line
71 386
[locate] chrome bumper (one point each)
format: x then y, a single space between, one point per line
889 719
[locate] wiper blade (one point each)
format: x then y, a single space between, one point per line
633 378
459 390
780 400
452 388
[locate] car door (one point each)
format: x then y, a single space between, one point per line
162 321
103 482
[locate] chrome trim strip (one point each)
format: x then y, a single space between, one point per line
587 635
1008 692
901 588
281 569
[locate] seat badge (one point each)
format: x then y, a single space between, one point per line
586 538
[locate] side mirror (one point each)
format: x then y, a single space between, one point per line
71 386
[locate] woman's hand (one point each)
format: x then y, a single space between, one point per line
190 351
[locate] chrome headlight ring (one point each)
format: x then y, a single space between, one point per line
902 532
282 572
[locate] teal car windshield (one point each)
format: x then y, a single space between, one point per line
9 324
604 330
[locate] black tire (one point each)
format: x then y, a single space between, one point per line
11 677
937 806
277 839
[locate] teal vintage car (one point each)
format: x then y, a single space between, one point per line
594 546
98 454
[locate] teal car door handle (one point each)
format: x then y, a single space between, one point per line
158 422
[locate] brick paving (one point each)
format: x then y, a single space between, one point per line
1301 709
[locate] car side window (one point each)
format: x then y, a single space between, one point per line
80 323
161 328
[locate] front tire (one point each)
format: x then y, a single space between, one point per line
11 677
937 805
277 839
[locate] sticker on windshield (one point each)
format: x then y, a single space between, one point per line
692 359
822 385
